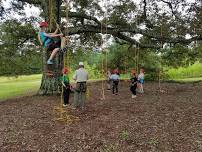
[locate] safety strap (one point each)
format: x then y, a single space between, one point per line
81 87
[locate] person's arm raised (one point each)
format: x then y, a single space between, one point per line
52 35
56 31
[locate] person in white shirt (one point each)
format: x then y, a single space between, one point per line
115 82
81 77
141 80
108 80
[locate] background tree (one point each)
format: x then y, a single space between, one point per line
158 23
19 53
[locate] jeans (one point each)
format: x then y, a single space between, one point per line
80 94
79 99
133 89
115 86
66 93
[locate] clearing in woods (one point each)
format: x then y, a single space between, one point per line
169 121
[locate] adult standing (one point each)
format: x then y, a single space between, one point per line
81 77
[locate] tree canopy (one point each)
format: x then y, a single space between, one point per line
144 24
158 21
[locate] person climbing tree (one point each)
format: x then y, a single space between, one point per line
81 77
115 81
133 84
46 40
141 80
66 86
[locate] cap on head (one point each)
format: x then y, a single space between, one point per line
115 71
65 70
133 71
142 70
43 24
81 64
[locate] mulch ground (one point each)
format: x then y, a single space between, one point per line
166 121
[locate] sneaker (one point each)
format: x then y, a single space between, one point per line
134 96
65 105
49 62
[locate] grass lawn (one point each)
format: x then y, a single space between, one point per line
25 85
22 85
189 79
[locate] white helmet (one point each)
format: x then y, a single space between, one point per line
81 63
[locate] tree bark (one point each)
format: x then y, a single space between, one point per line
50 83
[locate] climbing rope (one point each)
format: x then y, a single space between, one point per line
62 114
137 58
159 74
50 10
105 54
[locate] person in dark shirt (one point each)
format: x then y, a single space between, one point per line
133 84
66 86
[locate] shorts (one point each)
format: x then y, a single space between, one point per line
52 45
141 81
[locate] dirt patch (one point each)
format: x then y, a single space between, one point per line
155 121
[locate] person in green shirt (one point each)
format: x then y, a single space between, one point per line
66 86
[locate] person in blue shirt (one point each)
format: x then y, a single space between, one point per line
115 82
141 80
46 39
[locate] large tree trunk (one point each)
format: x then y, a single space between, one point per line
50 83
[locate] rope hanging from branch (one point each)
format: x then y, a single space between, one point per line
63 115
103 69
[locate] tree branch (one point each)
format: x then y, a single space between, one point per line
81 16
119 32
145 9
171 8
112 31
133 41
35 2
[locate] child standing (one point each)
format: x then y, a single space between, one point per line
108 80
66 86
46 39
115 82
133 84
141 80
